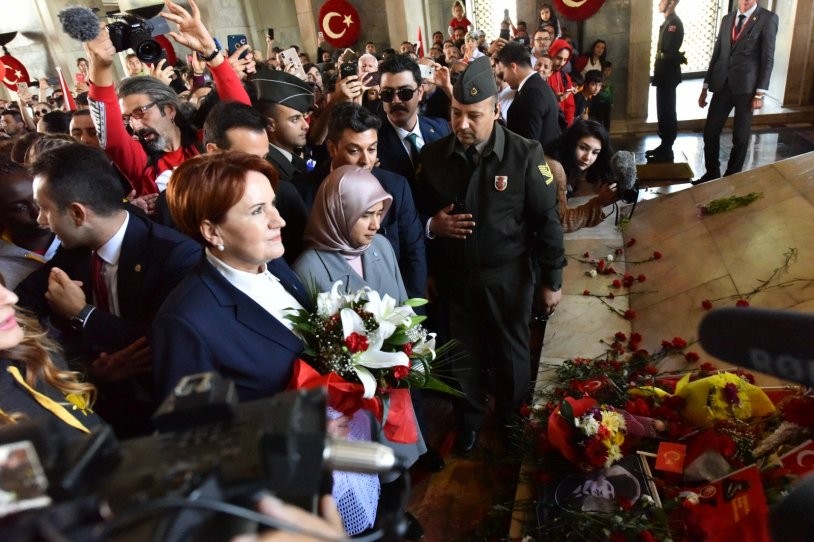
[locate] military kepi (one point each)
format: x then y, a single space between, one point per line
283 88
476 83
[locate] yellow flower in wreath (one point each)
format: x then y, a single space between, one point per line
722 396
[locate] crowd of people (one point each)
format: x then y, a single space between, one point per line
169 225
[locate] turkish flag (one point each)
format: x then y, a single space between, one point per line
800 460
2 70
578 10
339 23
15 72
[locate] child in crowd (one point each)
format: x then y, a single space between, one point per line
591 86
459 19
603 102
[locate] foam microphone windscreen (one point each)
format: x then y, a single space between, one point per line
623 166
80 23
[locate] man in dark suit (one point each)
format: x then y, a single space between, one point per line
104 285
738 77
352 140
403 130
284 99
666 77
534 113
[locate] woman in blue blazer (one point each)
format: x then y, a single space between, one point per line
228 314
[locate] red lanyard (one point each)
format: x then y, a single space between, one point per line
735 36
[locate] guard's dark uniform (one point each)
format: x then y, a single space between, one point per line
667 76
487 277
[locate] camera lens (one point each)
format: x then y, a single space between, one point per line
149 51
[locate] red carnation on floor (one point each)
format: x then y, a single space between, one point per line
586 254
618 251
610 295
742 303
679 342
707 366
621 337
656 255
586 292
691 357
400 371
630 314
600 265
641 278
707 304
630 242
616 283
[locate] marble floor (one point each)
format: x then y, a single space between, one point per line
720 258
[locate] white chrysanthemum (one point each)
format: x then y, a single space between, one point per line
588 425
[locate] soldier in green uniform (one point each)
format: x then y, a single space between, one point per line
493 203
666 77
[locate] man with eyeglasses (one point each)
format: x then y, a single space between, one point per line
540 45
404 132
151 109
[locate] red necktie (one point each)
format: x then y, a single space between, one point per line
98 282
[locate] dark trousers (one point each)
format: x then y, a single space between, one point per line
489 316
719 108
666 111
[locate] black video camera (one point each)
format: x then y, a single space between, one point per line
207 449
130 31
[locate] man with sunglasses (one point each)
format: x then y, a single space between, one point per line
404 132
151 109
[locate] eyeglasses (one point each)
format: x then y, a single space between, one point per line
138 112
38 112
404 94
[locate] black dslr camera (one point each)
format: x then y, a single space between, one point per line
130 31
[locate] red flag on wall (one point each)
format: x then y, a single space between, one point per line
420 51
578 10
339 23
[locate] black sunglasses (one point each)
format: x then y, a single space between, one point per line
404 94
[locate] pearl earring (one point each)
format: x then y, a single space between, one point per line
221 248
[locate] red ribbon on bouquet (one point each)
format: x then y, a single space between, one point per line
348 397
561 431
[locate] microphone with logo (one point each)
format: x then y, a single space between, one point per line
778 343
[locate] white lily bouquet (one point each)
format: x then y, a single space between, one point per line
368 350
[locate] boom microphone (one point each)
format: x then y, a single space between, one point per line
623 169
779 343
80 23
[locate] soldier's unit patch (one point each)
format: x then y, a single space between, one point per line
501 182
545 171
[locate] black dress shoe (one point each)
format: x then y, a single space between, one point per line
655 151
414 530
706 177
665 157
466 441
431 461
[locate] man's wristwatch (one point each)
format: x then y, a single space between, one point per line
79 320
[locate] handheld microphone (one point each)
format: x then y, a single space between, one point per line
357 456
80 23
623 168
778 343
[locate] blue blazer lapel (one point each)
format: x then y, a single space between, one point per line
133 264
247 311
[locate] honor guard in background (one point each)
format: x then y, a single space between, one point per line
666 77
493 203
